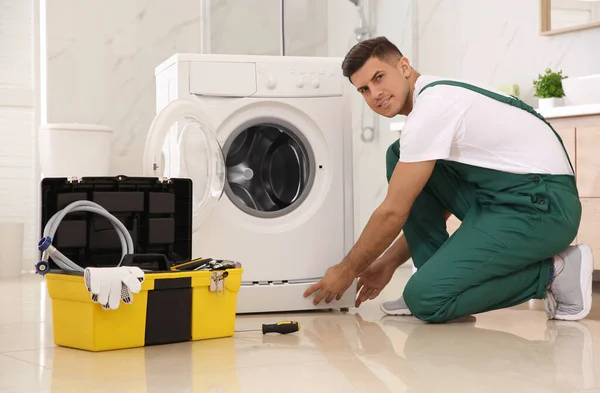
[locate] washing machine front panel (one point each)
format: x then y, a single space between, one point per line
289 151
295 241
181 144
280 242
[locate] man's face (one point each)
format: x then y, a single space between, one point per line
384 86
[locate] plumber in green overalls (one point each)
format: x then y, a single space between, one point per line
490 160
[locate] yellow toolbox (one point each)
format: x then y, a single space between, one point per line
172 306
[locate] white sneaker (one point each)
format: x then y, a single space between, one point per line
395 307
569 295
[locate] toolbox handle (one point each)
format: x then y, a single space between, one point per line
157 262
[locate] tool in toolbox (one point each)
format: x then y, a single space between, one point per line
209 264
283 327
206 264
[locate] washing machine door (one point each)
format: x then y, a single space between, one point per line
181 143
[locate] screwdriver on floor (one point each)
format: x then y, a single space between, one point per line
283 327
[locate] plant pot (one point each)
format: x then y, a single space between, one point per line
546 103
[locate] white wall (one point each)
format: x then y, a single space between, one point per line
498 43
393 19
17 118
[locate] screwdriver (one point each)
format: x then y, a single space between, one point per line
283 327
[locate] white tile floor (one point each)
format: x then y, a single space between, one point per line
514 350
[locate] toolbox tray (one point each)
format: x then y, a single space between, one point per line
157 213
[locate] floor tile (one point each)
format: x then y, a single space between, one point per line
511 350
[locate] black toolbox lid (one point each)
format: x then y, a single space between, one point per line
157 213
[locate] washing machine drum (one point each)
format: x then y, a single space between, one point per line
268 170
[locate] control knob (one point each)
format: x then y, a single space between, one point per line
270 83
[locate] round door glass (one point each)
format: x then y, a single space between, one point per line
190 150
270 169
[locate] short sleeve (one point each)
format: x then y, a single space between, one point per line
430 129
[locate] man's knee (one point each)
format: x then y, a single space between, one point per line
425 301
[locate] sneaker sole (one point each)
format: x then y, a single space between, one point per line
395 312
585 280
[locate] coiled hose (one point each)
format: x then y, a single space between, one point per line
48 250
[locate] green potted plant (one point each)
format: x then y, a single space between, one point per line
548 89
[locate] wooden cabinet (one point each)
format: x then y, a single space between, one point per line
581 136
567 134
588 229
588 161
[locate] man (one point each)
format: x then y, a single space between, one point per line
494 163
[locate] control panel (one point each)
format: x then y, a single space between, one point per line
299 80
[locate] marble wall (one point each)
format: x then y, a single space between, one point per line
100 64
100 55
498 43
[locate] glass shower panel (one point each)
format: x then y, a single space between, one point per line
305 27
244 27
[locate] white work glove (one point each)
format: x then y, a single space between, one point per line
110 285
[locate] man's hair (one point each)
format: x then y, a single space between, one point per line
379 47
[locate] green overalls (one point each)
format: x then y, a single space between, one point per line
512 224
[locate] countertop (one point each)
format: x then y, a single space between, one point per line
570 110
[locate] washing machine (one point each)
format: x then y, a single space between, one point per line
267 142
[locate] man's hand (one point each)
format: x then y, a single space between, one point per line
383 227
372 281
336 281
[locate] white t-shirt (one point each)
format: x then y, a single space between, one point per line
456 124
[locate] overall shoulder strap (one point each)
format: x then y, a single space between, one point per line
511 100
